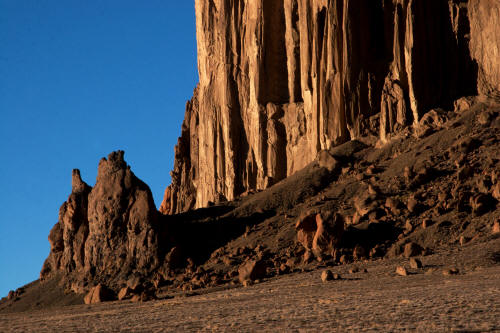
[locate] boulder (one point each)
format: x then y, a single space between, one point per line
463 103
415 263
496 191
330 228
306 229
327 161
482 203
98 294
426 223
252 270
413 205
125 293
365 203
142 297
359 252
430 122
412 249
451 271
394 205
326 275
354 270
408 227
496 227
400 270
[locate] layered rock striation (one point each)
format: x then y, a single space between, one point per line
281 80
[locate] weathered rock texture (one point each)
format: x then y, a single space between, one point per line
281 80
485 44
67 238
320 233
107 232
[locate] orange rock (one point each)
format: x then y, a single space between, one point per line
105 229
496 227
415 263
261 118
327 161
124 293
251 270
412 249
326 275
400 270
306 229
165 207
98 294
330 228
496 191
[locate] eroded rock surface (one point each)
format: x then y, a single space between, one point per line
67 238
304 76
107 232
122 221
320 233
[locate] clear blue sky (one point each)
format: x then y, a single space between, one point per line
79 79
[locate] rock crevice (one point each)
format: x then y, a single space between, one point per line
281 80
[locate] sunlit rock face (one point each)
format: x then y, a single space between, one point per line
281 80
485 44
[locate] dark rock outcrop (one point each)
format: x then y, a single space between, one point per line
105 233
67 238
122 221
98 294
251 270
320 233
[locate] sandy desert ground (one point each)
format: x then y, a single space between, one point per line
379 300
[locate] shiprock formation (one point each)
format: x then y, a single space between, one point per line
321 133
282 80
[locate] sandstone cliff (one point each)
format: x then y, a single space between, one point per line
281 80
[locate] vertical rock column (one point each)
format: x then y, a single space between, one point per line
67 237
122 221
485 44
105 233
281 80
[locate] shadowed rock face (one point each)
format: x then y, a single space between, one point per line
106 232
303 76
67 238
122 221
